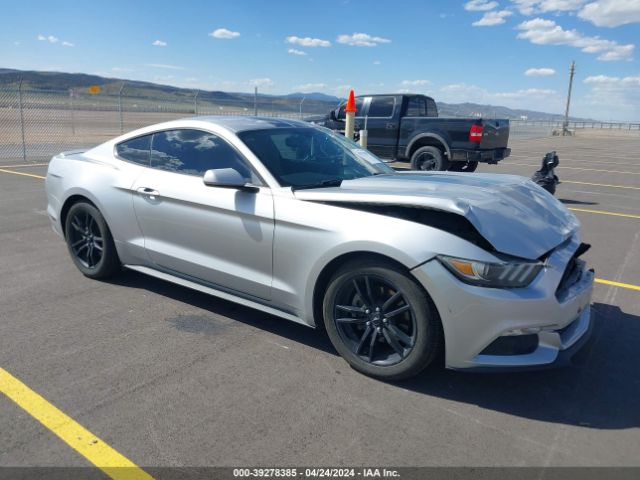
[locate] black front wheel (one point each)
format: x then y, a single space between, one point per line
381 321
90 242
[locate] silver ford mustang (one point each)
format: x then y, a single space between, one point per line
296 221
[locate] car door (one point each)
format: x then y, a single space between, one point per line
215 235
382 126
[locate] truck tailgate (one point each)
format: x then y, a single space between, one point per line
495 134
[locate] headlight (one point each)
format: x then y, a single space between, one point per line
497 275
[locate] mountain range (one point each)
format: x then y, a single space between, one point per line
314 102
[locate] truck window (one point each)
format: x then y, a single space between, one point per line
432 109
382 107
417 107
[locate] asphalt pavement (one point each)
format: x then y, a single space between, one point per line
171 377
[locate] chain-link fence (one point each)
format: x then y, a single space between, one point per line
36 124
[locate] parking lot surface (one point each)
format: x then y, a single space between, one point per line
171 377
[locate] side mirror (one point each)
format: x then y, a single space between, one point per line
227 178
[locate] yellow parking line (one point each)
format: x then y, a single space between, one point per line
575 168
602 212
600 184
23 174
618 284
72 433
25 165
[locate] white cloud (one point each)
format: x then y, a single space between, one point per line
361 40
547 32
52 39
121 69
261 82
480 5
540 72
531 7
49 38
225 34
294 51
527 93
377 62
159 43
414 83
163 65
545 100
491 19
611 13
310 87
611 98
601 79
308 41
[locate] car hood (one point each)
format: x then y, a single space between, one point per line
511 212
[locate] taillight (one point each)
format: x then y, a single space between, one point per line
475 134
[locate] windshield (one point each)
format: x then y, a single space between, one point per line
309 157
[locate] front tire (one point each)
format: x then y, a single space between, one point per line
429 159
90 242
380 321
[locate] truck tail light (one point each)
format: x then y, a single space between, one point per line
475 134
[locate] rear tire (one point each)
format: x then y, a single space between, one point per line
90 242
463 167
429 159
380 321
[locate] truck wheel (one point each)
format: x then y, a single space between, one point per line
463 166
429 159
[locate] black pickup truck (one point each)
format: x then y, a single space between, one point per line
406 127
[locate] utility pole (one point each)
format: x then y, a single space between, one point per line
565 127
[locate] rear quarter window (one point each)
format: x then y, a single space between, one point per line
432 109
137 150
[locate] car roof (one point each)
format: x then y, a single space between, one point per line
241 123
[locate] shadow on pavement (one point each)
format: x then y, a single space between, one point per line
601 390
249 316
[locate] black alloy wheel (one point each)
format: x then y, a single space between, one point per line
85 239
380 320
375 320
90 242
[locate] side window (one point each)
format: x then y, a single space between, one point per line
382 106
135 150
193 152
416 107
432 109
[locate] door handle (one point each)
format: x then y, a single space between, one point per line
391 126
148 192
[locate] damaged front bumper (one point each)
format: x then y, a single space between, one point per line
539 326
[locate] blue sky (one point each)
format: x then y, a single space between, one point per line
504 52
